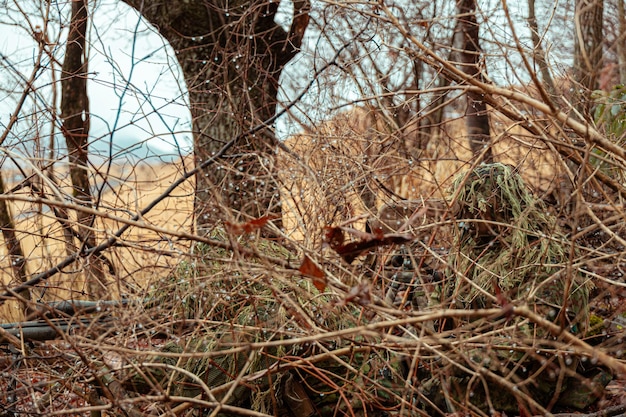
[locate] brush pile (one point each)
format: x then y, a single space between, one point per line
277 343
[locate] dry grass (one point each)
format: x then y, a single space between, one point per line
330 173
143 253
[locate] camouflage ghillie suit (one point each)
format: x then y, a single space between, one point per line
508 250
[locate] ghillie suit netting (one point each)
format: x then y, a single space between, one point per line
509 251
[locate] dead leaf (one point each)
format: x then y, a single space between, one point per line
249 226
350 251
360 294
333 236
310 269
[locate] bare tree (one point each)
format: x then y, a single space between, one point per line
538 51
476 117
621 41
259 327
75 114
587 50
231 54
13 245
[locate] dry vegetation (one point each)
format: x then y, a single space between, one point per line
354 164
243 325
378 264
147 251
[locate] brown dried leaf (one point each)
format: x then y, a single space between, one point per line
333 236
310 269
249 226
350 251
360 294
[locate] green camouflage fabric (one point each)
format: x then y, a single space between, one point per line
509 250
508 243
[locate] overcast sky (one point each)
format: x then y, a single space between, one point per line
135 89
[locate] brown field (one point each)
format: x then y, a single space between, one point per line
143 254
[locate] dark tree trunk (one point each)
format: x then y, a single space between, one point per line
12 243
231 54
476 117
75 115
430 125
587 50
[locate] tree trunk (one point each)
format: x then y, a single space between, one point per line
231 54
75 115
539 55
587 51
14 248
430 125
476 117
621 41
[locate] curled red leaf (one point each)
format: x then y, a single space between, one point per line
310 269
334 237
249 226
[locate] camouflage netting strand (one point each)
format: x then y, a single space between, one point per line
509 242
508 250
